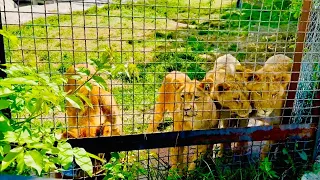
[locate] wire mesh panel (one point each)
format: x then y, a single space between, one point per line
309 70
149 66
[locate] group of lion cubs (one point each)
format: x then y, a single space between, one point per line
229 88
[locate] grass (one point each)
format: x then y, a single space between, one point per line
158 38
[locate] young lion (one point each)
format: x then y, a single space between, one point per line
89 120
196 110
168 98
268 85
268 90
227 85
191 107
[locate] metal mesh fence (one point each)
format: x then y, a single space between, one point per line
308 81
151 38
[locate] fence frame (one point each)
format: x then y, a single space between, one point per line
293 85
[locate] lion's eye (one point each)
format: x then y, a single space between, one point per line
182 96
236 99
196 97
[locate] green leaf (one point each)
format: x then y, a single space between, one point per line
34 159
74 101
4 92
11 37
20 163
4 104
120 175
83 160
6 148
65 155
303 155
284 151
88 86
86 100
75 77
49 165
25 137
4 124
115 155
83 71
10 136
102 83
119 68
18 80
95 157
35 106
107 56
39 145
96 62
10 157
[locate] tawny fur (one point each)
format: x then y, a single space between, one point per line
167 97
268 88
227 85
88 121
191 107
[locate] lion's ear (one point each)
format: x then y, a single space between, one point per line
222 87
178 84
206 84
283 78
175 81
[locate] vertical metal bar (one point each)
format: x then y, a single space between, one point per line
239 3
2 55
6 112
302 29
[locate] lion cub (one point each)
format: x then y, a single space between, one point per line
268 88
191 107
104 113
226 83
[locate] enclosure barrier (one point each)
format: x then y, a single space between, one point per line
300 118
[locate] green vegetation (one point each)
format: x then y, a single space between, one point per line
26 146
146 43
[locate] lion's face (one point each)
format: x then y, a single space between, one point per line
234 96
194 100
231 94
267 90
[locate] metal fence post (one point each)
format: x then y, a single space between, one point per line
302 30
2 52
6 112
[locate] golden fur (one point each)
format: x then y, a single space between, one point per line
227 85
88 121
268 85
268 88
192 108
167 97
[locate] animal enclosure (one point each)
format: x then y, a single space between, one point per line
204 88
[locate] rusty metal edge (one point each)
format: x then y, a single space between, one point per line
302 30
197 137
